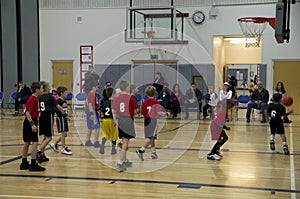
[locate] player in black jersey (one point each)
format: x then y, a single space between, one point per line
276 111
109 131
48 106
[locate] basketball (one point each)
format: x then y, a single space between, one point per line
287 100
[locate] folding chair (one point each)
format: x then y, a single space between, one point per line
242 103
80 102
11 102
69 99
1 100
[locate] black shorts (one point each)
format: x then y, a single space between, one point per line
277 127
46 124
62 124
28 135
126 127
150 127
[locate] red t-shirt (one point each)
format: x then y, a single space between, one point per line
93 100
124 105
150 108
216 126
32 105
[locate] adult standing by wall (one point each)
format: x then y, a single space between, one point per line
158 82
259 100
23 94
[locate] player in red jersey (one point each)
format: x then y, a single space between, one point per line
217 131
124 107
151 109
30 130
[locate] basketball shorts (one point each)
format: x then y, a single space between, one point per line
150 127
46 124
126 127
62 124
92 124
28 135
109 130
277 127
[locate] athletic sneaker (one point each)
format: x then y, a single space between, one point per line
66 151
121 167
286 150
24 166
89 143
113 151
272 145
41 157
219 153
213 157
127 163
36 167
97 144
54 147
154 155
140 154
101 151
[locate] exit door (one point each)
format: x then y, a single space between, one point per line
63 74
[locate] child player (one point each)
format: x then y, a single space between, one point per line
48 104
276 111
62 122
217 131
109 130
124 107
30 130
151 109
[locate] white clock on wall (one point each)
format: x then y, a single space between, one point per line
198 17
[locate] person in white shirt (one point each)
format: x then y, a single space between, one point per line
212 102
226 94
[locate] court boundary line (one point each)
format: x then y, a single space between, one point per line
179 184
292 164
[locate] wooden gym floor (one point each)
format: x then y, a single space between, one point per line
249 168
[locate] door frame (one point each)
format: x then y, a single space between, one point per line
63 60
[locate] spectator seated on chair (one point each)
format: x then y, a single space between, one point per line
259 100
23 94
164 97
193 98
211 98
177 99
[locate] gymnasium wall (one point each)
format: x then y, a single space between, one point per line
19 43
61 35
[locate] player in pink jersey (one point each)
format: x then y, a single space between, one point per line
124 107
217 132
151 109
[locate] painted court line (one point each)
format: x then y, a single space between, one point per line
292 164
19 196
180 184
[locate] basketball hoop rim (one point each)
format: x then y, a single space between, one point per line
255 19
148 32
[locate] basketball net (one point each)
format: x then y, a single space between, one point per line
253 29
148 36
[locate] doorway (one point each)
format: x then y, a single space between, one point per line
288 73
62 74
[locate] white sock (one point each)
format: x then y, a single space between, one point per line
153 149
284 143
142 148
272 137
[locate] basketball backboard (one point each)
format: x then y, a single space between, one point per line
161 21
